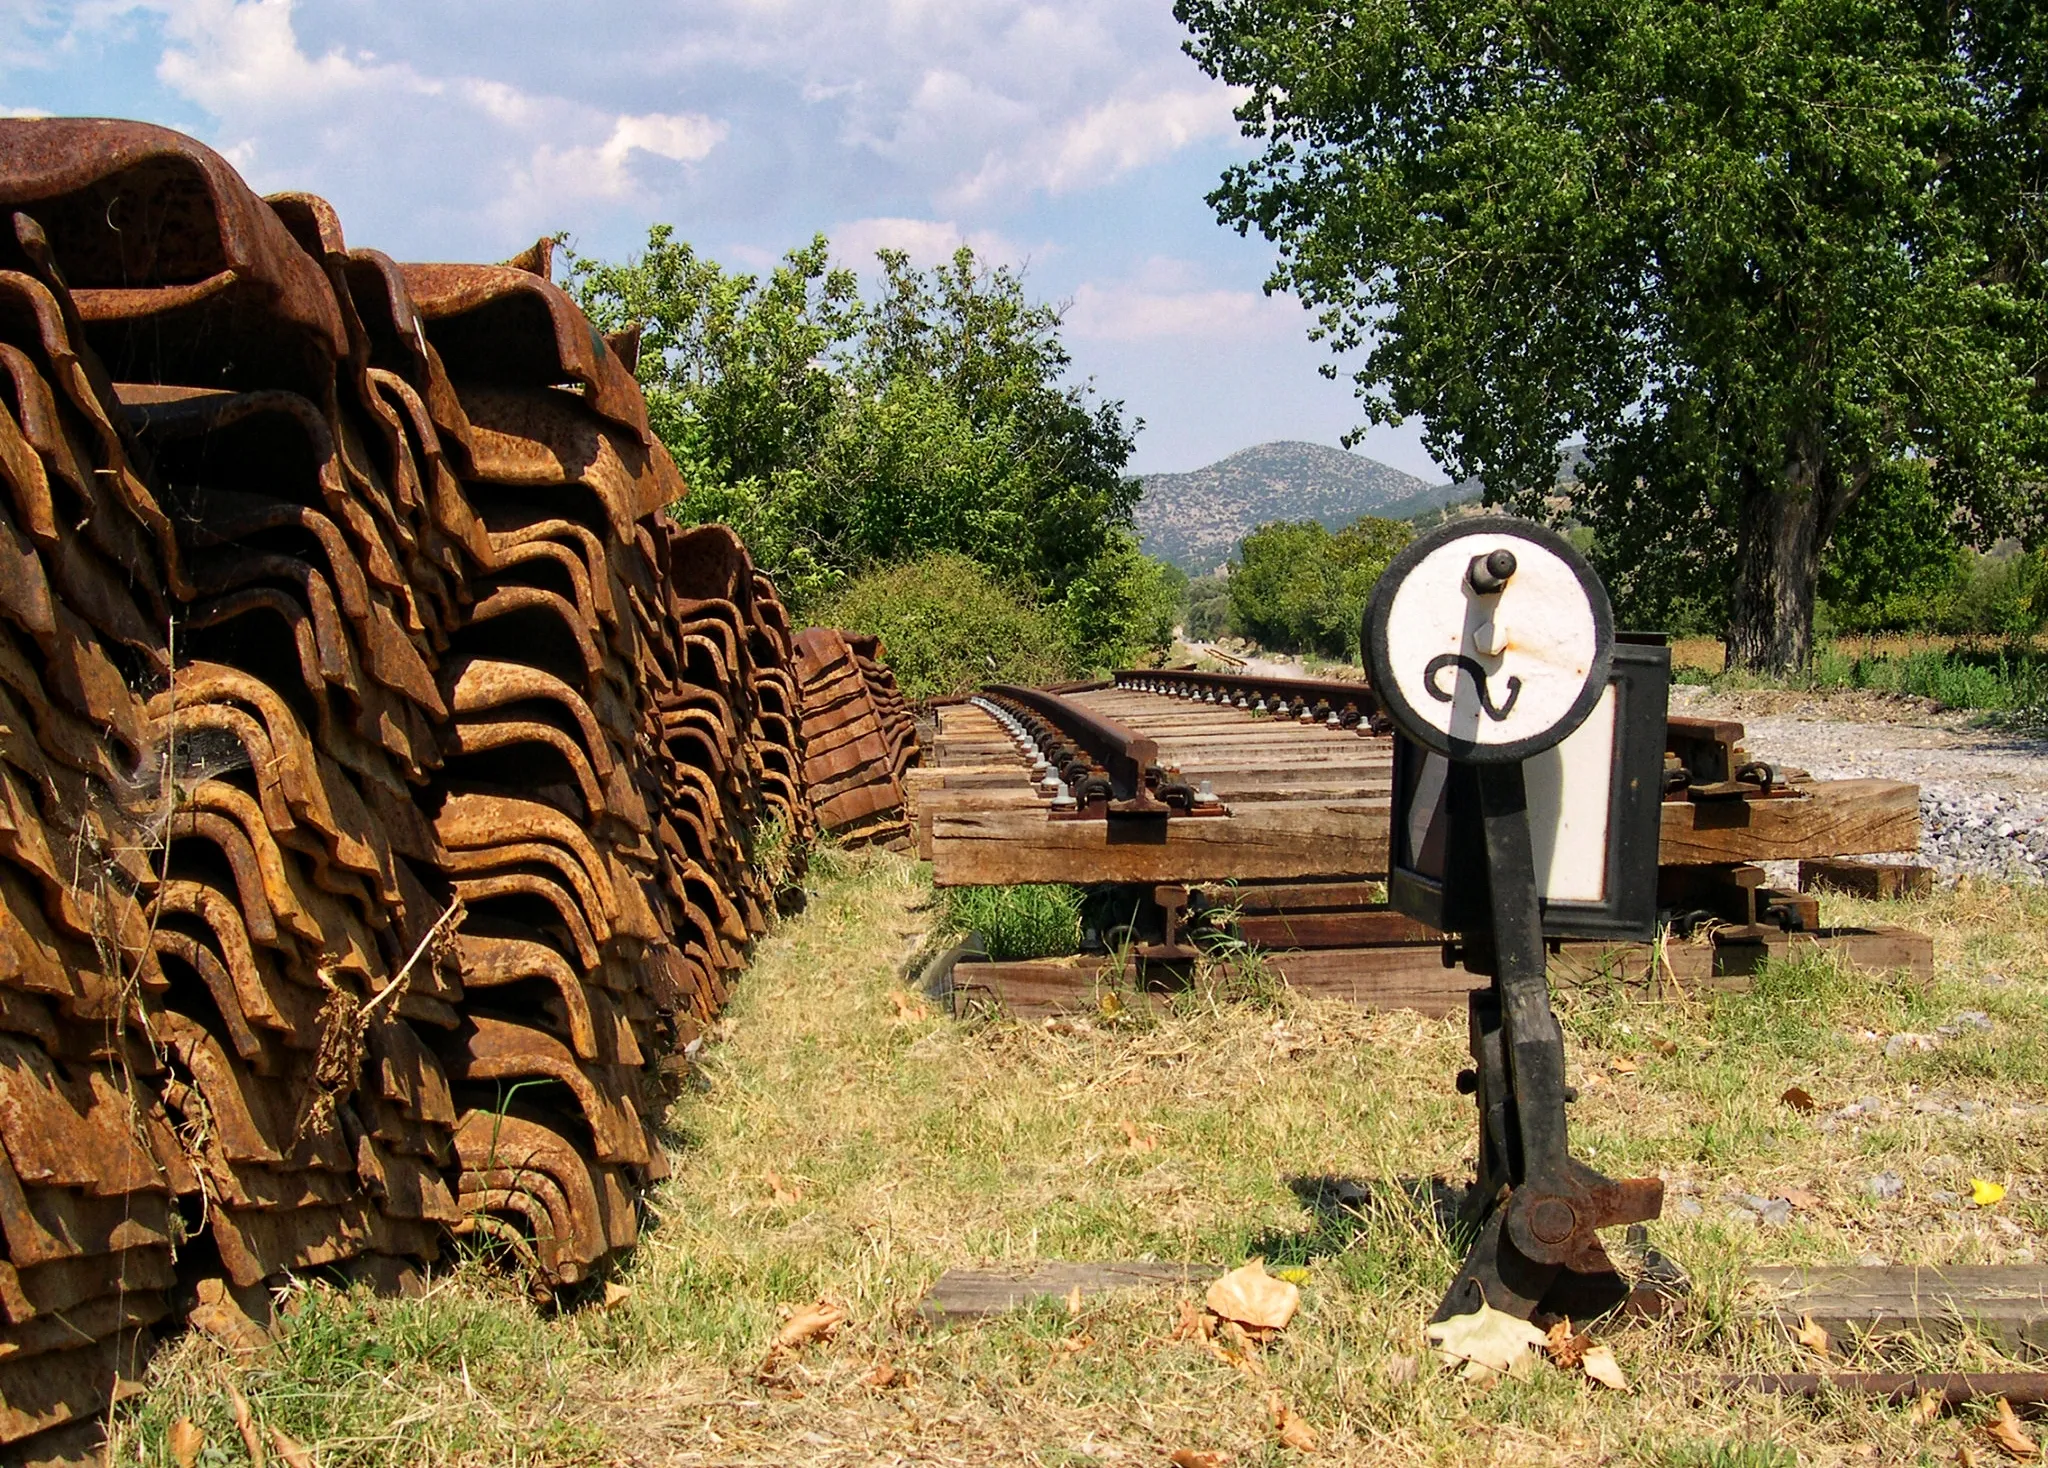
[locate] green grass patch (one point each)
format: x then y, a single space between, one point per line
2008 680
1041 921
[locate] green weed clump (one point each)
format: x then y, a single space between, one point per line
948 626
2009 680
1019 922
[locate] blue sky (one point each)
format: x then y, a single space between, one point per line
1070 137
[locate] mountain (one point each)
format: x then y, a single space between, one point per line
1195 520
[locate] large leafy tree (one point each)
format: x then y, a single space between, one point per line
839 434
1758 254
1298 586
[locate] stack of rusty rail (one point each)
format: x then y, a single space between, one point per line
381 769
859 736
1272 826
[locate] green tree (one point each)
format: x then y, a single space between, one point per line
837 434
1756 253
1299 587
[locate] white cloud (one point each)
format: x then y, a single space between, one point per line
235 55
601 171
926 241
1105 143
6 111
1163 299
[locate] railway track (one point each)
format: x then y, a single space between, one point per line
1287 833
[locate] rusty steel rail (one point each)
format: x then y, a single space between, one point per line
1083 746
1092 764
1307 700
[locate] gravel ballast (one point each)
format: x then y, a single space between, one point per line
1983 792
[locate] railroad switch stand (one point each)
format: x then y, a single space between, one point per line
1528 775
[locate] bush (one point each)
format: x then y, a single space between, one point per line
948 626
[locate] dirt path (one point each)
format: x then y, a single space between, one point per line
1983 792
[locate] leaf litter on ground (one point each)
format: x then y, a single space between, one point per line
1254 1298
1488 1340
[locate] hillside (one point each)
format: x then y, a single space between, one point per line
1195 520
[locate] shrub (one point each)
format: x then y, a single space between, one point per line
948 626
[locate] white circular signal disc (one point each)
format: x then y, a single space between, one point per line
1489 677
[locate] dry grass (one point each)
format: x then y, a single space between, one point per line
843 1148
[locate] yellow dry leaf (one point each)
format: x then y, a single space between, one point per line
1621 1065
1813 1337
809 1323
1139 1141
1253 1297
290 1449
616 1294
185 1440
1112 1004
907 1008
1491 1339
1194 1325
245 1424
1566 1349
1801 1199
1189 1458
1074 1300
882 1374
2005 1430
1599 1363
1985 1193
1926 1407
1292 1431
1294 1275
783 1192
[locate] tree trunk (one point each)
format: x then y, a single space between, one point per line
1786 522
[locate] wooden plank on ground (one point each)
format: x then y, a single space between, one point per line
1831 818
1867 878
1881 949
2005 1303
969 1294
1280 839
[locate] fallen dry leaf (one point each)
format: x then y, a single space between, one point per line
220 1316
1189 1458
1926 1407
783 1192
1599 1363
185 1440
1566 1349
2005 1430
1249 1295
1621 1065
1074 1300
1800 1198
1490 1339
616 1294
1139 1141
907 1007
1666 1048
1812 1336
1799 1099
1194 1324
1985 1193
1112 1004
290 1449
882 1374
809 1323
1966 1455
245 1424
1293 1432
